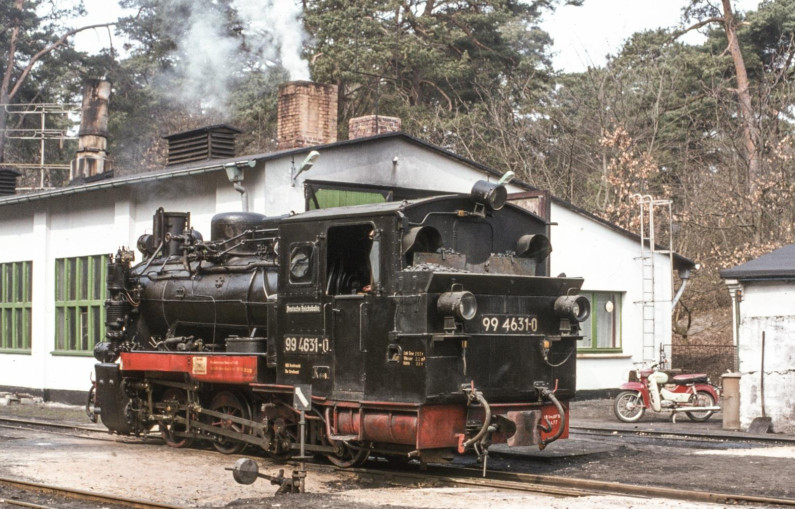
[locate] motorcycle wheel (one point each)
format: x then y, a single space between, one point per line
702 398
628 406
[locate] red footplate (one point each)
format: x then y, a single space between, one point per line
205 368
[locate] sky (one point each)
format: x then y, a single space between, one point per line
583 36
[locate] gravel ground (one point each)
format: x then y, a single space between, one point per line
196 477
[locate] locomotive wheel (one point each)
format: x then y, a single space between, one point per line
628 406
702 398
229 403
347 455
168 429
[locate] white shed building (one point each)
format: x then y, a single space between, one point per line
763 303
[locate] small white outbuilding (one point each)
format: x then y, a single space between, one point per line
763 305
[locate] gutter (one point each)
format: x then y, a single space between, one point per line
113 183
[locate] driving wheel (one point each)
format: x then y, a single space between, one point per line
172 400
348 454
230 404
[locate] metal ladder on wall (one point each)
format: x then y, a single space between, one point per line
648 252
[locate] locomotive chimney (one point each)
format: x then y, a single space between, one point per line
91 159
371 125
307 114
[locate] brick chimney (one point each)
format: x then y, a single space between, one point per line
371 125
91 160
307 114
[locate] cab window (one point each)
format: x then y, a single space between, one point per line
302 263
349 259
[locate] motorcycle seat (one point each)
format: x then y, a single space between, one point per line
699 378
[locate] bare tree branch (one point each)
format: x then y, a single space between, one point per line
47 49
698 25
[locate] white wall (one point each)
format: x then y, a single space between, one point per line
610 262
389 162
93 223
768 307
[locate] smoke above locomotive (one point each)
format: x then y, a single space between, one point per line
418 329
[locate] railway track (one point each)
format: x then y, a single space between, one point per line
71 430
683 435
568 487
500 480
28 494
20 423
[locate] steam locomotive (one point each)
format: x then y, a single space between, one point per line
415 329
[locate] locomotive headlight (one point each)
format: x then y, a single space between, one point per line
489 194
462 305
573 307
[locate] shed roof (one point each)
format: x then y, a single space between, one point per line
193 168
779 264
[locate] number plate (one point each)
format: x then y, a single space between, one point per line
508 324
308 345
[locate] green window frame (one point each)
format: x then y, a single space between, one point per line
16 281
323 195
79 304
602 330
328 198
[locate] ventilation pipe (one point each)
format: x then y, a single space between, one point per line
91 160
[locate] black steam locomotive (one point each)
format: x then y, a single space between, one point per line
417 329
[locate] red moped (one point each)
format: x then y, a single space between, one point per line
692 394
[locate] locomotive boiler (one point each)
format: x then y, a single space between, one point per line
417 329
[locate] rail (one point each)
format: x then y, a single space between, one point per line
80 495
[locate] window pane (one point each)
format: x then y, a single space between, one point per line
60 329
327 198
606 313
83 328
18 330
97 287
71 272
70 328
83 271
60 282
28 281
27 339
19 282
7 328
97 316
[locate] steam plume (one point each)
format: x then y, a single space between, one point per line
210 56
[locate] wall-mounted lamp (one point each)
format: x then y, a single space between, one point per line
305 165
234 172
506 178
